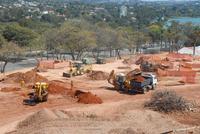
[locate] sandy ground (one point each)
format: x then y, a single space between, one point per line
119 113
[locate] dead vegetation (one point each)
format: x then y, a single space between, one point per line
167 101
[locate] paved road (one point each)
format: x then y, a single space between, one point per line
20 65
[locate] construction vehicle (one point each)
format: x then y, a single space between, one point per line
88 61
133 82
101 60
77 68
148 66
39 94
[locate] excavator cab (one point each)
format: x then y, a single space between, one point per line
120 81
41 93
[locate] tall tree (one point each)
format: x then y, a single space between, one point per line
77 39
8 52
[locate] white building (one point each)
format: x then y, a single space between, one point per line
189 50
45 12
123 11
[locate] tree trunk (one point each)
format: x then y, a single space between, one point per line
79 55
98 53
194 48
47 55
118 54
4 67
110 52
72 54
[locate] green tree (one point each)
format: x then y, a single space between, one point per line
155 32
194 38
73 37
19 35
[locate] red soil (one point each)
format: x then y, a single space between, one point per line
28 77
87 98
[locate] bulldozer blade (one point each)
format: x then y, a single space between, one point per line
29 102
67 75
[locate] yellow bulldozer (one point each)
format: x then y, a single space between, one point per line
77 68
40 94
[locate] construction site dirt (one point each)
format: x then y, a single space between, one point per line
89 104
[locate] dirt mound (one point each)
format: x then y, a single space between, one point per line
59 87
28 77
37 118
87 97
10 89
98 75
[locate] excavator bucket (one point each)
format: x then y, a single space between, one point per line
29 102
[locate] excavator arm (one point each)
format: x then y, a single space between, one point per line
111 77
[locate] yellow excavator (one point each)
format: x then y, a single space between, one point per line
133 82
40 94
77 68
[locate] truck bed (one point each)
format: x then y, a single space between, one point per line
139 85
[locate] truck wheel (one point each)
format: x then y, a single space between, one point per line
45 98
153 87
144 90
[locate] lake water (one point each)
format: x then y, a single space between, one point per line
195 21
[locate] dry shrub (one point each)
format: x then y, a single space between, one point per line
167 101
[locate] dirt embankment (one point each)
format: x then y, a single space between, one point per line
28 77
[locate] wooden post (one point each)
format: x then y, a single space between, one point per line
72 85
